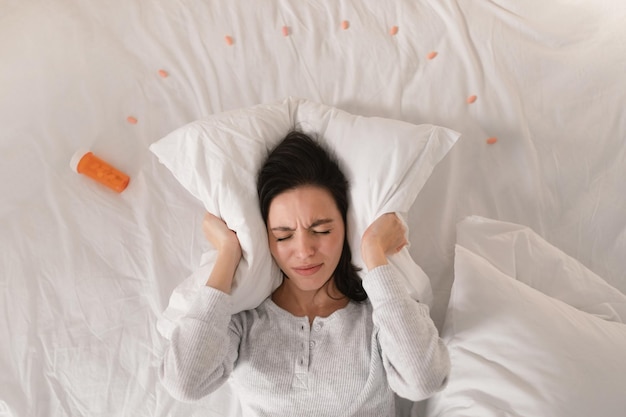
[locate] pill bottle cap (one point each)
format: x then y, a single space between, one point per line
78 155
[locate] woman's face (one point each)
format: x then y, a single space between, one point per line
306 235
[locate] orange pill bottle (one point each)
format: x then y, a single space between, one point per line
86 163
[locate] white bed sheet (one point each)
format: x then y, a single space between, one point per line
85 273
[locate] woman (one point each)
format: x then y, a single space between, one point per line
324 343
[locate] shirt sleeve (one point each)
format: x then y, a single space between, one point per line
415 358
203 348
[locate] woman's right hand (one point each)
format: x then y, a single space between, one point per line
220 236
228 248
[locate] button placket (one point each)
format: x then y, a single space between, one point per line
315 333
302 358
318 324
302 361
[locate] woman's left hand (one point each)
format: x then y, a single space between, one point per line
385 236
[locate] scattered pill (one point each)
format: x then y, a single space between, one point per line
163 73
132 120
492 140
345 25
431 55
285 30
471 99
393 31
229 40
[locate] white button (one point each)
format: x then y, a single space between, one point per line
317 327
312 344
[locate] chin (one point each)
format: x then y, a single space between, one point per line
309 283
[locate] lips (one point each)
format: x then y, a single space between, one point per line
308 269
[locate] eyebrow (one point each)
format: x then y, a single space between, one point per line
313 225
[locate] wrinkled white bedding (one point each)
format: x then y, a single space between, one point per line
85 273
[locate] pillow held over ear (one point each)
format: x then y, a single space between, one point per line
216 159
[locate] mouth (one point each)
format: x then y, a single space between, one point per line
308 269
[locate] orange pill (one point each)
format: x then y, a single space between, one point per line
345 25
431 55
492 140
285 30
393 31
163 73
229 40
132 120
471 99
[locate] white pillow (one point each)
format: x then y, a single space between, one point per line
517 352
521 253
217 158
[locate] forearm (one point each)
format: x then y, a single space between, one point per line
228 249
202 349
223 272
415 358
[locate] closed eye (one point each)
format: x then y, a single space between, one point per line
317 232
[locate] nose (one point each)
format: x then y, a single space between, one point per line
304 246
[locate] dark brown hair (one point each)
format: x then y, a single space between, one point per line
299 160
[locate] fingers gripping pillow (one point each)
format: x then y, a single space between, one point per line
217 158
